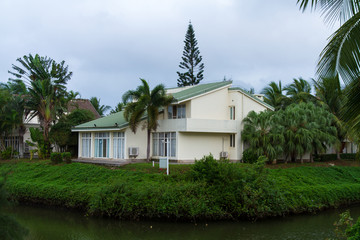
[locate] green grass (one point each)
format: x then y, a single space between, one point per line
218 191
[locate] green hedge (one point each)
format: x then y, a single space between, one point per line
207 190
333 157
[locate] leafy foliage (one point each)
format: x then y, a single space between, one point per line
145 103
56 158
297 129
61 133
66 156
191 61
262 134
136 191
46 89
341 55
101 109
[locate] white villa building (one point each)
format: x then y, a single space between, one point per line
203 119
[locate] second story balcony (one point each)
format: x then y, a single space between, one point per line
198 125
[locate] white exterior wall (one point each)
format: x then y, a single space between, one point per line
243 105
191 146
211 106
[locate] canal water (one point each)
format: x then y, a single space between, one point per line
59 224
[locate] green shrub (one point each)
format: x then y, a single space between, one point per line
8 153
56 157
348 156
249 156
66 156
325 157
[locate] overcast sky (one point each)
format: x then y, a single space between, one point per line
110 44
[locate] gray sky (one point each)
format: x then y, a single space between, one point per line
110 44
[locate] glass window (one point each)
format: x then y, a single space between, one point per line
164 142
232 113
102 145
177 111
86 144
119 145
232 140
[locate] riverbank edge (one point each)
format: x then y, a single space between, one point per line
182 201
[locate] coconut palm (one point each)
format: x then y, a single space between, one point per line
274 95
46 83
145 103
118 108
341 56
262 135
331 96
101 109
299 91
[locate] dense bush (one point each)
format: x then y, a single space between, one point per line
66 156
333 157
56 157
7 153
249 156
348 156
209 189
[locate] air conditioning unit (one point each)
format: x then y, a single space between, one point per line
224 155
133 152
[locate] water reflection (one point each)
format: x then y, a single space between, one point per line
54 224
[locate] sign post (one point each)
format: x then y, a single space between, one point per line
164 161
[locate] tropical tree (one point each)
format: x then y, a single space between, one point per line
61 133
46 84
144 103
299 91
191 61
330 95
274 95
341 56
306 128
264 138
118 108
101 109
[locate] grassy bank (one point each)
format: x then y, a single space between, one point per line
208 190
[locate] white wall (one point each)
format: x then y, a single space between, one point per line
193 146
211 106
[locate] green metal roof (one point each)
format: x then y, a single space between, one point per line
198 90
115 120
252 96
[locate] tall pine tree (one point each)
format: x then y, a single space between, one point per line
191 61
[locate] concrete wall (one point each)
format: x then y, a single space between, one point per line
211 106
191 146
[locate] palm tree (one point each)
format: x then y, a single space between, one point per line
306 128
144 102
341 56
274 95
331 96
118 108
101 109
46 83
299 91
262 135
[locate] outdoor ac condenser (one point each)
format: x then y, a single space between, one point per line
224 154
133 152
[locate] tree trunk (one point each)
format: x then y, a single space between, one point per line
337 155
148 145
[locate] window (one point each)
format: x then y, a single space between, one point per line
119 145
160 144
102 145
232 113
86 144
176 111
232 140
